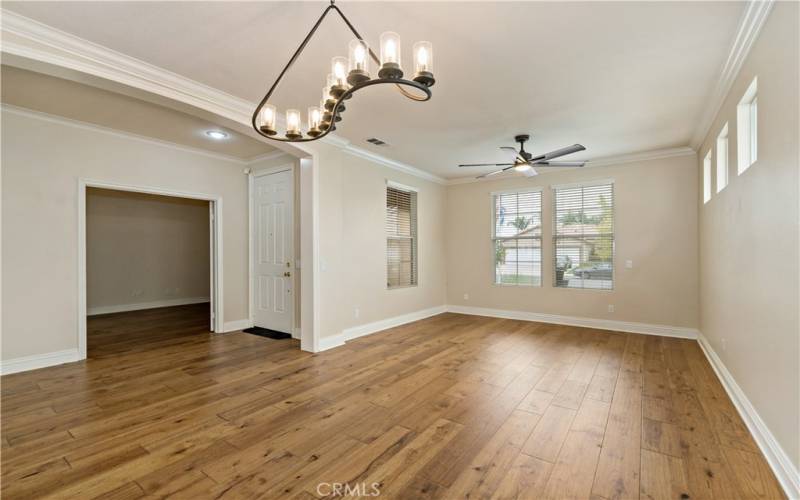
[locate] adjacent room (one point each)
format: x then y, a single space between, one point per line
404 250
164 243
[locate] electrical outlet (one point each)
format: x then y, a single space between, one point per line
466 296
356 312
611 308
629 264
724 344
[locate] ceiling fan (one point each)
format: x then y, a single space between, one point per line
524 161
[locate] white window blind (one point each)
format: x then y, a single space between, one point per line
401 237
517 238
584 236
747 127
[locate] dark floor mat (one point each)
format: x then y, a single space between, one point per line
265 332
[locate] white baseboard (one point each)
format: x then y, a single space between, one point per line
330 342
601 324
38 361
354 332
376 326
94 311
781 464
239 324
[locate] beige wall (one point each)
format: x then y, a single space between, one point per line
41 163
749 293
352 208
655 219
143 249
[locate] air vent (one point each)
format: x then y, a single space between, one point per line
376 141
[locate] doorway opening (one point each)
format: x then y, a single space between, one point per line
149 267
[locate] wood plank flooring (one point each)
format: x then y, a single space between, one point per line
450 407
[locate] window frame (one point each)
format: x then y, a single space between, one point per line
747 128
493 236
414 237
554 237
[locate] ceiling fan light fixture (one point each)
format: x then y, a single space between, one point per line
522 167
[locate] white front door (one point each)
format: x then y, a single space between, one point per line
273 252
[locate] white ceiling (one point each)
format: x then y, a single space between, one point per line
89 104
617 77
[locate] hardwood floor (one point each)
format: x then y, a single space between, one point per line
450 407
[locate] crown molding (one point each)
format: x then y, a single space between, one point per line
394 165
61 120
40 42
656 154
267 156
50 45
753 19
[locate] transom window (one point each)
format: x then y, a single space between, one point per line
583 236
722 158
707 177
747 127
517 238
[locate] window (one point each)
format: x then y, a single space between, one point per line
517 238
722 159
747 128
401 237
584 236
707 177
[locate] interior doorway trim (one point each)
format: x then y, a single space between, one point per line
217 298
296 331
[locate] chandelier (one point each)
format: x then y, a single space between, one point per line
348 75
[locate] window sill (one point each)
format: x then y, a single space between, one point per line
401 287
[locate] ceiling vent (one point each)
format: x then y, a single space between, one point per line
376 141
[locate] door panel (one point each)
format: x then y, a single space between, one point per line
274 238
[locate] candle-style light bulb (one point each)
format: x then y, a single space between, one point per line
293 124
314 120
359 55
266 119
390 56
359 62
391 51
338 70
423 63
422 58
339 76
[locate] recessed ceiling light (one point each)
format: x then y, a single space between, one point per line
217 134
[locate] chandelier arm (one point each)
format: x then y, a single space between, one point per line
290 63
348 93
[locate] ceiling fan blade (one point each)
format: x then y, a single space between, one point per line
493 173
563 151
486 164
513 152
561 163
